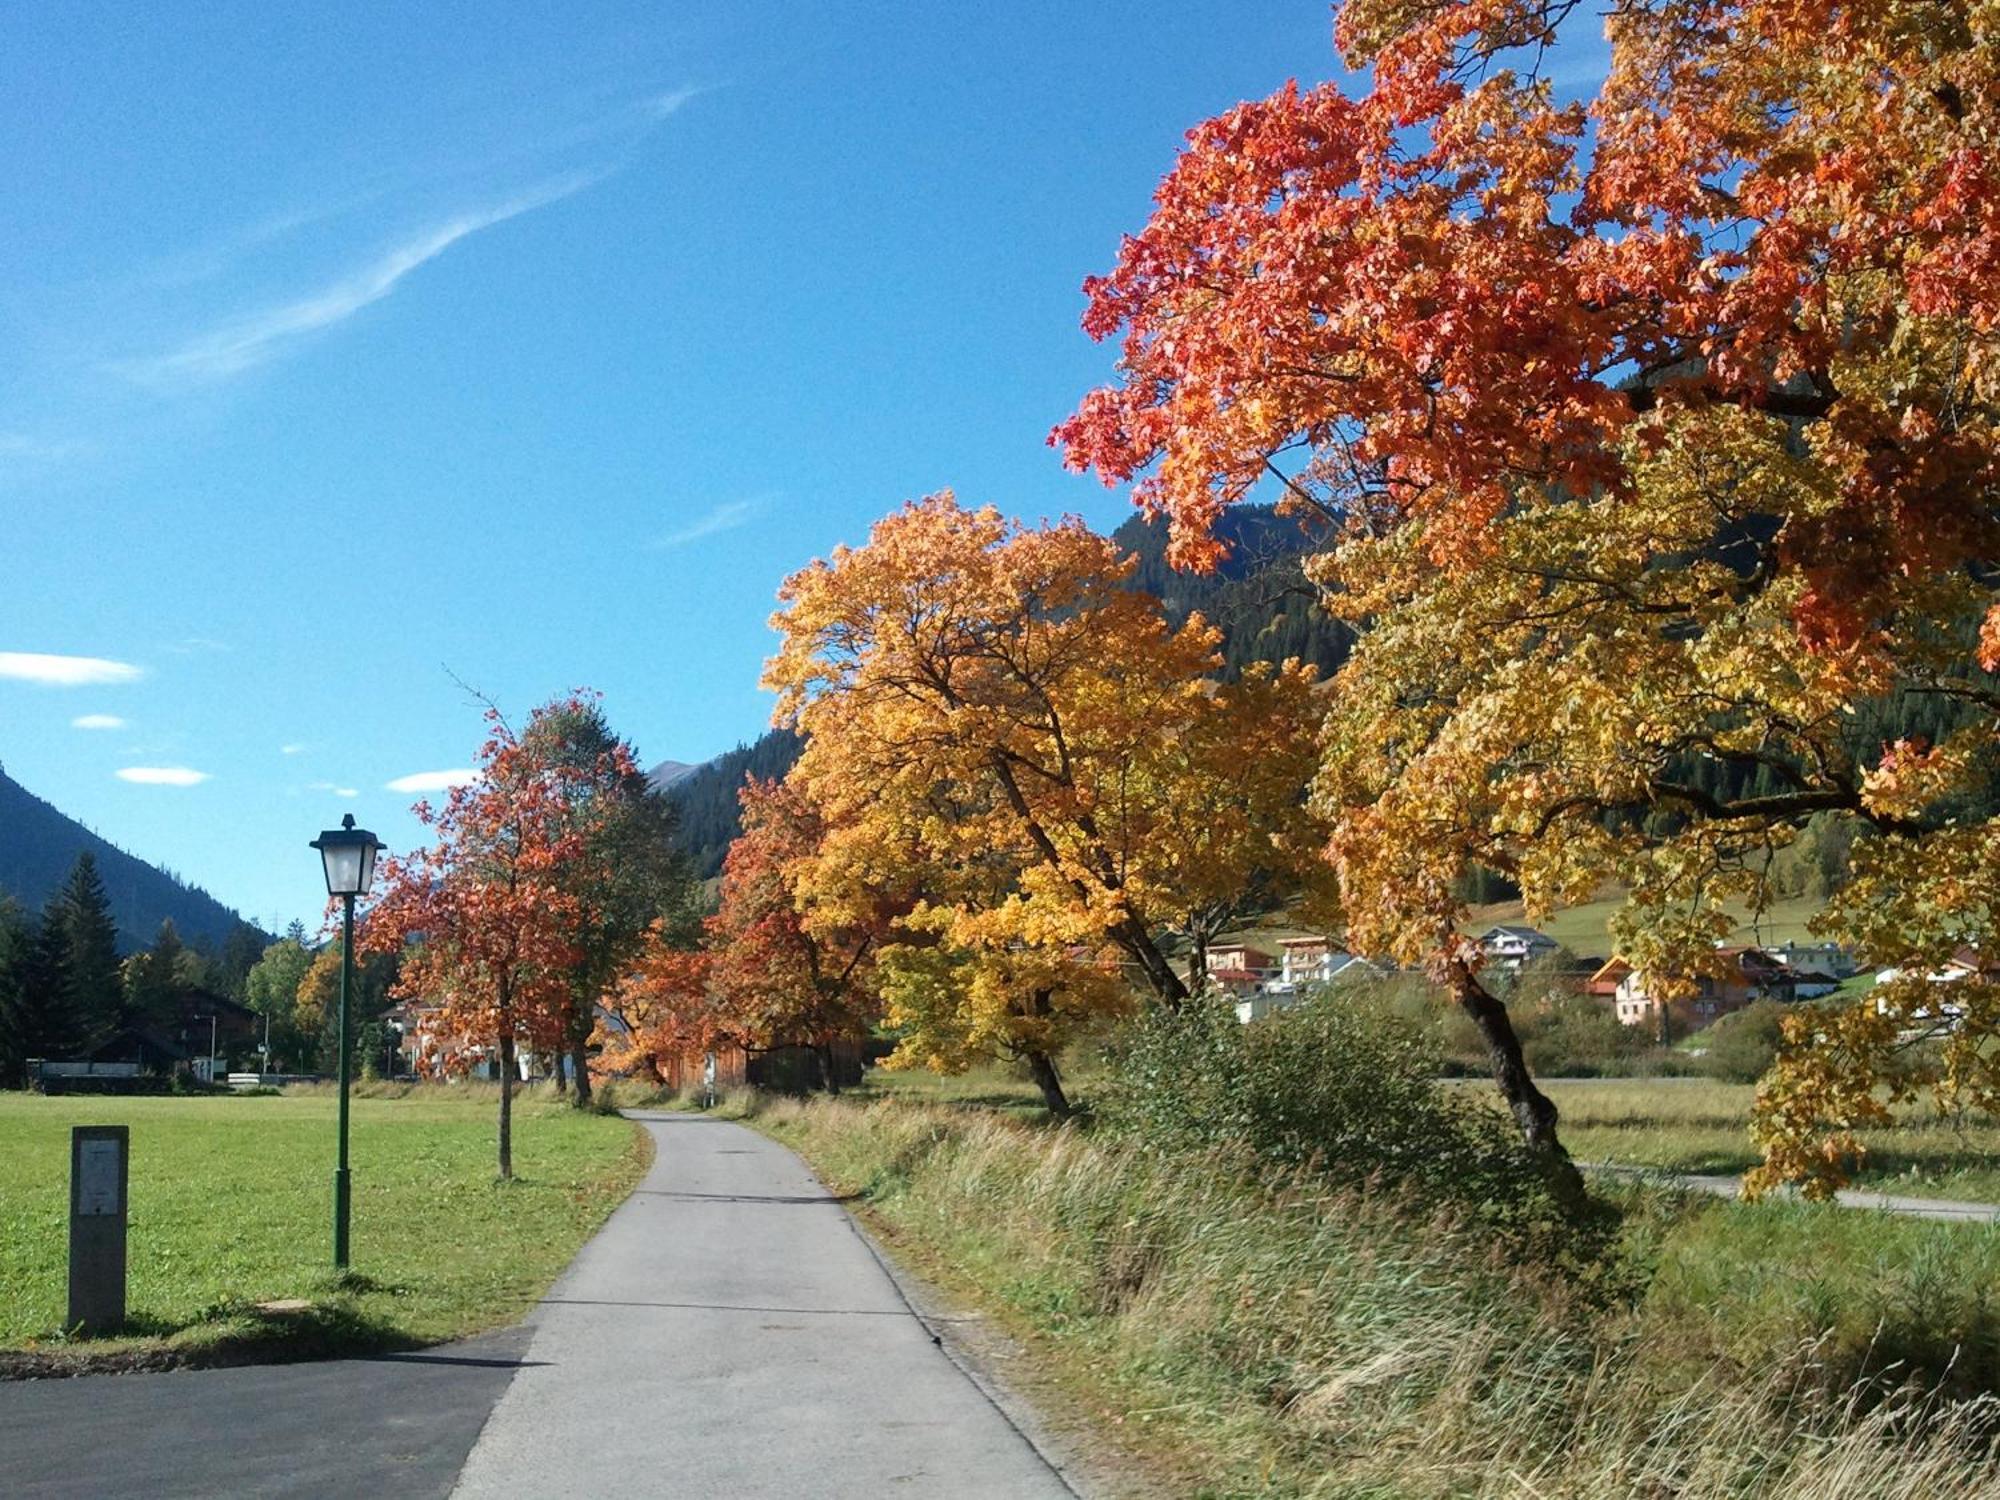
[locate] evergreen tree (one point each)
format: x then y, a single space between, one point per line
95 985
48 1024
14 943
153 980
240 952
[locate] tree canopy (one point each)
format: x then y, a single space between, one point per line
1659 432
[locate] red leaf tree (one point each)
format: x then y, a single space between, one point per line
488 914
788 981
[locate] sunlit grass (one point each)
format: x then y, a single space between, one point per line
1696 1125
231 1205
1296 1340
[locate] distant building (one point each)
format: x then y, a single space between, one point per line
1511 946
1604 980
1832 959
1241 968
1741 977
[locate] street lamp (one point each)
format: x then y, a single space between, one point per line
349 856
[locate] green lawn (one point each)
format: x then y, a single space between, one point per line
1695 1125
1587 929
231 1206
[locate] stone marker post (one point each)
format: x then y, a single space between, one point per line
98 1156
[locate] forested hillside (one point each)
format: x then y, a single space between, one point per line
705 797
1259 599
38 845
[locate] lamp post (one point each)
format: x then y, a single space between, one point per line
349 856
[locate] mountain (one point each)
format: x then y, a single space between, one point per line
1259 599
39 844
667 772
705 796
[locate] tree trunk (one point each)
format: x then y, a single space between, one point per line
829 1079
1534 1112
562 1083
579 1065
1132 935
1042 1068
506 1106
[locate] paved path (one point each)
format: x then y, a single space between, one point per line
1732 1187
398 1425
730 1332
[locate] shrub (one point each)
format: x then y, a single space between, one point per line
1741 1047
1340 1086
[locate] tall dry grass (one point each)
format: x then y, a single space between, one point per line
1281 1338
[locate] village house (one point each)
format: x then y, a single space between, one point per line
1241 969
1965 964
1303 962
1833 959
1604 980
1512 946
1743 975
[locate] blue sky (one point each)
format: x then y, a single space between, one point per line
346 348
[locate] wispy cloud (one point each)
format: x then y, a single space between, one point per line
162 776
433 781
659 106
293 749
25 450
725 517
97 721
65 671
244 342
337 790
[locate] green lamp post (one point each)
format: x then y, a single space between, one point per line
349 856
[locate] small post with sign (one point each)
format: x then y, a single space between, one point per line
98 1160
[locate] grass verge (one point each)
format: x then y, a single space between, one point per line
231 1211
1281 1339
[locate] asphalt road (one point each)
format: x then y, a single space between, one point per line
728 1332
395 1425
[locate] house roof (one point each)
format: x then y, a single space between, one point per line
1515 930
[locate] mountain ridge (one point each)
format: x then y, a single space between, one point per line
39 843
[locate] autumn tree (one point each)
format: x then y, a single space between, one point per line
1659 434
628 874
997 725
664 1009
486 916
787 980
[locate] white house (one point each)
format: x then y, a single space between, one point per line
1818 958
1510 945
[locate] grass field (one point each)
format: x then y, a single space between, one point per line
1296 1340
1587 929
1695 1125
230 1205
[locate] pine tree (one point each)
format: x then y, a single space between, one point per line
154 979
95 986
48 1026
14 943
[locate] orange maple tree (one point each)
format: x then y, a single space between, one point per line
663 1011
1661 432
